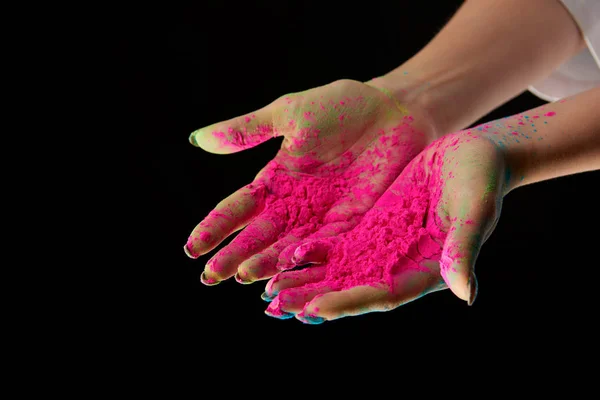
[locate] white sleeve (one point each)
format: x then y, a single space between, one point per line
581 72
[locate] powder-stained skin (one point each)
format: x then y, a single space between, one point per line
359 193
344 144
408 232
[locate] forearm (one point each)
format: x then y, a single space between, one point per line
488 53
554 140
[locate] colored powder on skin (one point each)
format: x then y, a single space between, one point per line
236 139
400 229
298 205
390 237
397 234
309 194
404 226
205 237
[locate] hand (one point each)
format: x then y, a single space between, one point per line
423 235
344 144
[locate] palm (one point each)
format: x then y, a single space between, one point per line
415 240
344 144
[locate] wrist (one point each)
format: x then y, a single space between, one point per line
514 159
554 140
438 94
407 93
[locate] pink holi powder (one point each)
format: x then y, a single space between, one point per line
550 114
396 235
307 201
309 116
205 237
320 199
389 238
298 206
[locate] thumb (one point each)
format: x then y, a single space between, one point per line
457 262
236 134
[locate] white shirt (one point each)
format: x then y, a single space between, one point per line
581 72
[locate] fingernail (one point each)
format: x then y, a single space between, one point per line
208 281
310 319
473 288
192 138
266 297
277 313
240 280
188 252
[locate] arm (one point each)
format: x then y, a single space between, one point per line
488 53
554 140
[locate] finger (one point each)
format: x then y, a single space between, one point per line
236 134
355 301
307 251
472 207
257 236
312 252
457 263
230 215
291 279
263 265
462 245
291 301
408 286
281 256
334 228
287 258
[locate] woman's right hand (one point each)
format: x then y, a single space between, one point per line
432 222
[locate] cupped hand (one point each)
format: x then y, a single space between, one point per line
343 145
422 235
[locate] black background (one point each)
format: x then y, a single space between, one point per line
183 67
